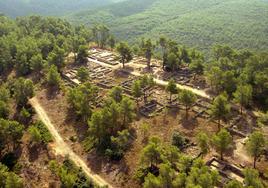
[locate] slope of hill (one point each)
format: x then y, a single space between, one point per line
196 23
15 8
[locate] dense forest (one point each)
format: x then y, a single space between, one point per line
48 7
236 23
197 24
35 51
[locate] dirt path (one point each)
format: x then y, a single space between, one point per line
198 92
62 148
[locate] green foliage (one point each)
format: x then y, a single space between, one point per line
23 90
24 116
3 174
171 88
222 141
151 153
252 178
146 83
26 49
255 145
221 75
48 7
83 74
13 181
70 175
197 66
101 35
172 61
108 127
82 54
178 140
147 48
112 42
151 181
10 133
116 94
243 95
136 90
119 144
39 133
56 57
203 142
4 109
220 109
122 140
97 127
4 94
45 134
199 24
35 134
233 184
53 77
164 166
125 53
202 176
37 63
82 98
187 98
263 120
127 108
145 130
5 55
241 74
77 42
53 166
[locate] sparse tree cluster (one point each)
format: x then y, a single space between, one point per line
165 166
82 98
23 90
39 133
241 74
109 127
9 179
70 175
125 53
10 134
101 35
220 109
53 77
187 98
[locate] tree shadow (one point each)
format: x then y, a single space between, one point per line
34 151
173 112
95 161
51 92
80 127
189 123
146 70
119 73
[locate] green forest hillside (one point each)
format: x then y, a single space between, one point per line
16 8
195 23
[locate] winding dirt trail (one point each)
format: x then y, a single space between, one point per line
62 148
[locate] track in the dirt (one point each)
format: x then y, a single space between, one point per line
62 148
